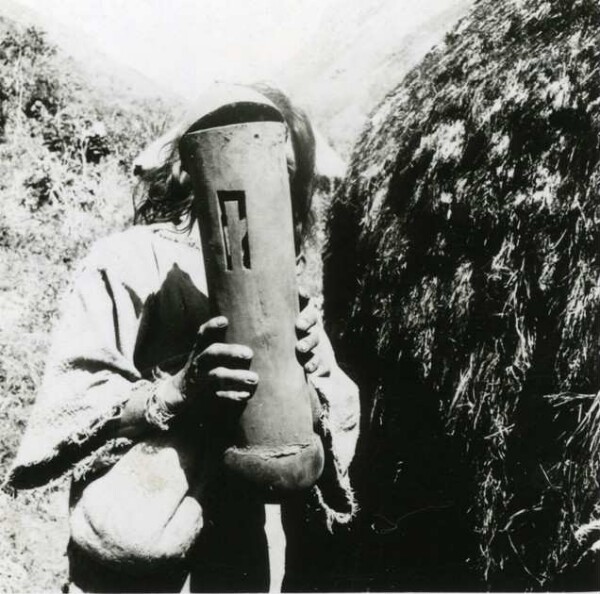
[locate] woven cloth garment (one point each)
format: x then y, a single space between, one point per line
128 322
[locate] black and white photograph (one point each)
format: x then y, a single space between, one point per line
299 296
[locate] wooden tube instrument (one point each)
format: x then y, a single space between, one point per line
243 206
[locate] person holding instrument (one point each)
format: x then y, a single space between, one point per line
141 387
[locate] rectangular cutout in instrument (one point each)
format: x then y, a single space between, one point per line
234 229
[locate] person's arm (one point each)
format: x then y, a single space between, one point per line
89 378
94 401
214 369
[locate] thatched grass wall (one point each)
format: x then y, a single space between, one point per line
462 288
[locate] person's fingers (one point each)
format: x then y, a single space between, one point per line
219 354
318 366
308 343
312 364
216 323
212 330
233 395
223 379
307 319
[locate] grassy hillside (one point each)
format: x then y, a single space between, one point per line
463 284
65 156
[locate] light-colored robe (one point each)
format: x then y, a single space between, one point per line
130 318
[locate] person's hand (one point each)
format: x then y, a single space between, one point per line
220 372
214 372
214 369
313 358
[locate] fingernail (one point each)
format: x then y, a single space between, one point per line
310 366
221 322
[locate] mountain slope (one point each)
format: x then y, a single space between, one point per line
358 54
109 78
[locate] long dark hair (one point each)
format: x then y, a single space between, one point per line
164 193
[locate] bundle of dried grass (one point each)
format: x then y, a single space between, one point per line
463 279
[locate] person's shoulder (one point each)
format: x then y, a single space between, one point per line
119 247
141 256
137 244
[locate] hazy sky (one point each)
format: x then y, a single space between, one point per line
187 43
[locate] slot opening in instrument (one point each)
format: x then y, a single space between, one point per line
234 229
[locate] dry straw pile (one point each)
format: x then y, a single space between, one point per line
463 286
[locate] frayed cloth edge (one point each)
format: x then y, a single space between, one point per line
63 458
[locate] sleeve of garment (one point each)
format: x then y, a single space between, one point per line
89 377
339 427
